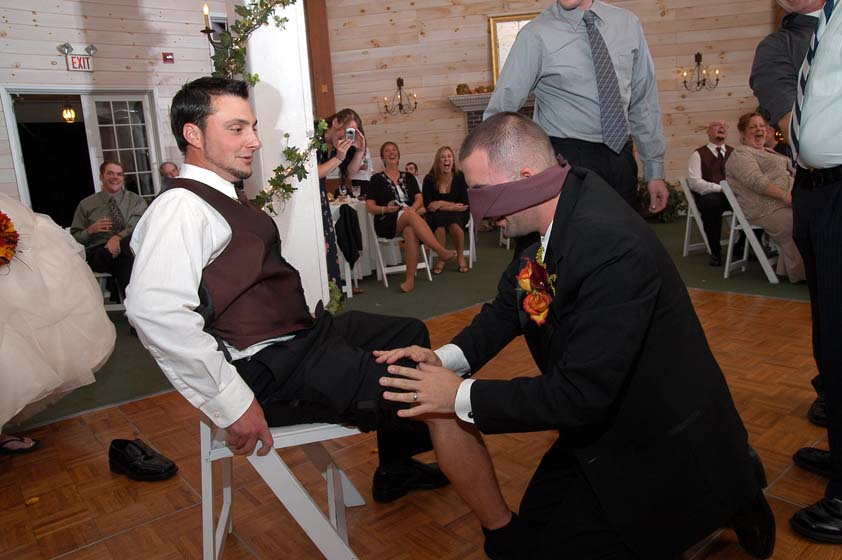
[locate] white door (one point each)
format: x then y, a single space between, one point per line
119 129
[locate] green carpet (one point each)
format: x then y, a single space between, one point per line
131 373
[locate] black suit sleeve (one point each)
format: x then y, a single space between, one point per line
600 335
495 326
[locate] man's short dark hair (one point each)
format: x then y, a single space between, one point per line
108 162
192 103
511 141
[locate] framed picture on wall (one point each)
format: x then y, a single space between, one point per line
503 30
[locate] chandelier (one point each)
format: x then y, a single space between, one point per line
402 102
699 77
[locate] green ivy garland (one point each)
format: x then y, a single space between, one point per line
230 61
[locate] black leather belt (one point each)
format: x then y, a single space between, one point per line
815 178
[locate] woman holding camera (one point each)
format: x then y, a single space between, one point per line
397 207
345 150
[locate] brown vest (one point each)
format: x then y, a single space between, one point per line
713 168
249 293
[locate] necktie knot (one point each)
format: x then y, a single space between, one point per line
241 195
589 19
719 152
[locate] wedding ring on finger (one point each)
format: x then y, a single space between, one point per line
414 396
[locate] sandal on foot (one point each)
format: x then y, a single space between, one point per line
5 450
439 267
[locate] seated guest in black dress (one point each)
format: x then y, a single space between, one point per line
446 199
397 206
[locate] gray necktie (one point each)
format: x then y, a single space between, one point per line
615 129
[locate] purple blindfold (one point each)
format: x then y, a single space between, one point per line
495 201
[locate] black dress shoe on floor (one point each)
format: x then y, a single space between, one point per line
814 460
138 461
755 527
395 480
821 521
817 413
715 260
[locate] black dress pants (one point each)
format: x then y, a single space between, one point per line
817 230
328 374
120 267
711 206
564 516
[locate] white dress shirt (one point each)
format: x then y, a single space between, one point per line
177 237
453 358
820 133
694 171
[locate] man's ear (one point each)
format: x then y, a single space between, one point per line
526 173
193 135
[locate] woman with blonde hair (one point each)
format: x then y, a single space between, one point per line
397 206
446 199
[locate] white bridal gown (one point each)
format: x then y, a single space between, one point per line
54 332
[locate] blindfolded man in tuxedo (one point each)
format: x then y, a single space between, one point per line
652 455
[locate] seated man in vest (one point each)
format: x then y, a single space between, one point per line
224 314
705 170
104 223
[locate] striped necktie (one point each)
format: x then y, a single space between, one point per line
803 74
615 129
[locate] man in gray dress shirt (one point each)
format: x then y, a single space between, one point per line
104 223
552 58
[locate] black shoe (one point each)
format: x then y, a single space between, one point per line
821 521
817 413
138 461
814 460
715 260
755 527
507 542
395 480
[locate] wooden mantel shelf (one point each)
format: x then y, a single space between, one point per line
478 101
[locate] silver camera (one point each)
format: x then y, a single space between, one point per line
351 134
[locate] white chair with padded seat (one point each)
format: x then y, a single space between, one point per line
739 223
328 533
382 269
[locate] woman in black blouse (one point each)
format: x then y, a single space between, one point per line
446 199
394 201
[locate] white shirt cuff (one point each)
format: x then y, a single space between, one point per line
231 403
453 358
463 401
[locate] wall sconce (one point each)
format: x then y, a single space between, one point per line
215 43
65 48
403 102
91 49
702 80
68 113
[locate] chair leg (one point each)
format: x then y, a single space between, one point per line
208 544
426 262
688 231
227 492
729 254
321 459
300 505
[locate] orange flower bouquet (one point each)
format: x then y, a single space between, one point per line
8 239
538 285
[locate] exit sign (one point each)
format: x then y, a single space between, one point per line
79 63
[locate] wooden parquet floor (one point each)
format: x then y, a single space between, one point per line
64 502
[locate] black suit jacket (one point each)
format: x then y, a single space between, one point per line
627 379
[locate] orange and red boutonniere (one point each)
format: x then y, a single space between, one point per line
8 239
539 287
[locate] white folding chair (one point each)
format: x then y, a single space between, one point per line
102 278
503 240
382 269
329 535
740 223
694 216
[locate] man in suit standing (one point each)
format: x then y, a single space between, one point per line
817 229
652 455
